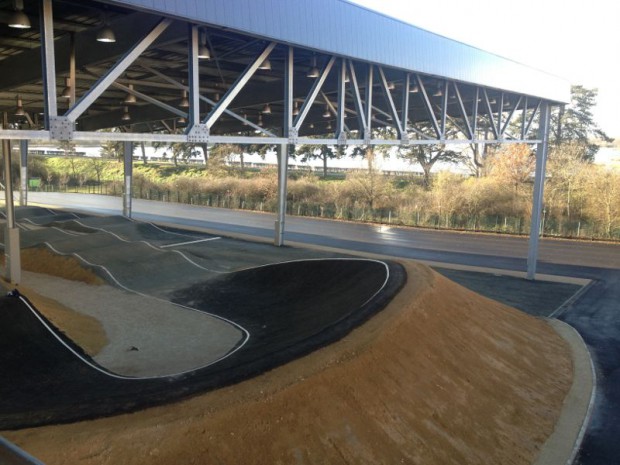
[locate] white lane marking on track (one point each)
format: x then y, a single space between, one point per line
387 269
159 249
196 264
165 231
109 373
190 242
244 331
70 233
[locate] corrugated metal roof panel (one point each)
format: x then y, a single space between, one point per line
342 28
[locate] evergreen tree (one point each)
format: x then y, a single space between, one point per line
575 123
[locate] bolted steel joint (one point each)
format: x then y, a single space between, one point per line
199 133
61 128
293 135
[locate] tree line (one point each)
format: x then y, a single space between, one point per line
492 191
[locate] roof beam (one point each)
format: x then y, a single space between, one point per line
461 107
390 101
117 70
427 105
357 98
316 87
179 85
87 50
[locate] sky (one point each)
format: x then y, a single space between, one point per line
576 40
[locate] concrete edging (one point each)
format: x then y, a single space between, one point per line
562 446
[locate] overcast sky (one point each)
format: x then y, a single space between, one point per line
577 40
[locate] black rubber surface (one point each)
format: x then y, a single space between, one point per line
290 309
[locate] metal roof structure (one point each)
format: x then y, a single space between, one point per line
275 72
368 71
346 29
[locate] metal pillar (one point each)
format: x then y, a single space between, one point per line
48 62
282 176
12 258
127 191
23 173
284 148
539 184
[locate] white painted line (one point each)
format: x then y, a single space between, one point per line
568 302
387 269
244 331
190 242
164 231
69 233
158 249
196 264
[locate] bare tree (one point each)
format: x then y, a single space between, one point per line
603 193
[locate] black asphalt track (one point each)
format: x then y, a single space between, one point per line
290 309
594 314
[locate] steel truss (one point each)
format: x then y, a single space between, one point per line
417 108
340 106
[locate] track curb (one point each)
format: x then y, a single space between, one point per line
562 446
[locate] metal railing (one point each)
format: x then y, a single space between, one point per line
10 454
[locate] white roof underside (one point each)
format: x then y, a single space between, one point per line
345 29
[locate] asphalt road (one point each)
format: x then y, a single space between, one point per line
594 314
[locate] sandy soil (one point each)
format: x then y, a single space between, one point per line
86 331
109 323
40 260
442 376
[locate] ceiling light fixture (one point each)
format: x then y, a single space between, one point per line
184 103
126 116
106 34
391 85
19 111
415 88
66 92
203 51
265 65
130 98
267 109
19 19
438 92
260 120
313 72
326 113
295 108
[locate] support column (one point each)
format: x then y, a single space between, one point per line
282 177
127 191
12 257
539 184
48 62
23 173
287 124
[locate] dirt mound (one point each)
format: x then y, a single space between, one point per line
281 324
441 376
40 260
